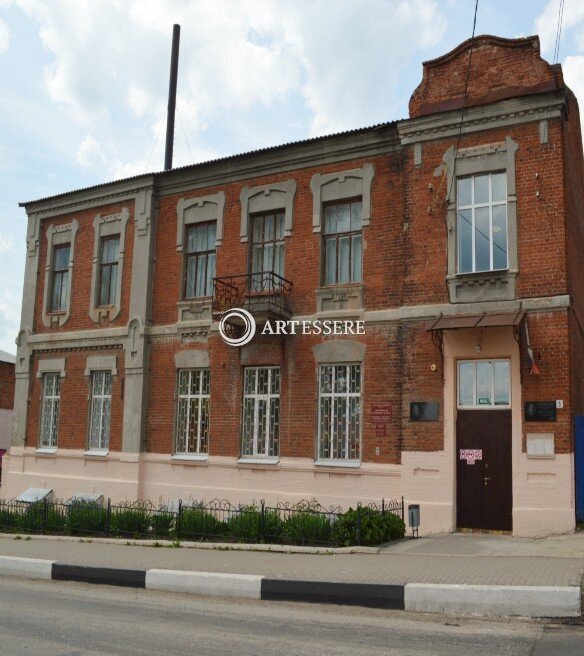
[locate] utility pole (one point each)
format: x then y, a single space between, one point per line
171 98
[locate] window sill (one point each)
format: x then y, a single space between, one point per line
96 453
190 457
258 461
46 451
348 464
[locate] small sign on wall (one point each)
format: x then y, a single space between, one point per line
424 411
471 455
540 411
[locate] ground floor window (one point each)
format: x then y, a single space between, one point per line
484 383
339 412
101 399
261 412
50 410
192 416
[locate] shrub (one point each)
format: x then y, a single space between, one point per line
9 519
162 523
129 522
244 525
308 527
196 523
86 518
31 519
56 519
376 527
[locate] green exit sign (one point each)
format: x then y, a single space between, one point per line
484 401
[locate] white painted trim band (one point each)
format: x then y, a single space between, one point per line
205 583
28 568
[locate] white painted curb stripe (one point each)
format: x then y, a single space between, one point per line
205 583
30 568
527 601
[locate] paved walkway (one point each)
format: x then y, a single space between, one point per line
456 559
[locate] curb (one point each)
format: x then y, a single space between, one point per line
486 600
187 544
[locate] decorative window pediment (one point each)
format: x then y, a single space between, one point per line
275 196
200 210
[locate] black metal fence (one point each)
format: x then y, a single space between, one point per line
305 523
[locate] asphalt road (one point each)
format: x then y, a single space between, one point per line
53 619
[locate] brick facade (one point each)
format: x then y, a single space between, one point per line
513 97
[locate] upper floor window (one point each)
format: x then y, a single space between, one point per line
261 412
200 260
482 223
343 242
267 250
51 398
108 270
60 283
192 416
339 412
100 410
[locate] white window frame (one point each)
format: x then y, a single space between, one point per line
100 399
270 431
200 398
50 403
475 405
473 207
346 461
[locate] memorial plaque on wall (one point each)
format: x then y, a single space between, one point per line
540 411
424 411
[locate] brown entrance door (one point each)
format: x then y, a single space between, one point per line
484 487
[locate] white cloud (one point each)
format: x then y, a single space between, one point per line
108 66
6 244
9 320
547 22
4 37
573 68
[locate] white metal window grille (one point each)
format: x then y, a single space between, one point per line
343 242
484 384
50 410
339 412
482 223
192 416
101 398
261 412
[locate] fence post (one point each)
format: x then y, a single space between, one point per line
178 517
262 519
44 519
403 510
383 506
108 517
358 524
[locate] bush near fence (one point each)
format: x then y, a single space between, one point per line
306 523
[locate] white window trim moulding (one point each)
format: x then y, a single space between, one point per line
203 209
265 198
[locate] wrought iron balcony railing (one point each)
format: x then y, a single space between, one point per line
264 294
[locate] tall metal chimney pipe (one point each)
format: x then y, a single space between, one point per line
171 98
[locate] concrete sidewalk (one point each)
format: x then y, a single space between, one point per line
458 573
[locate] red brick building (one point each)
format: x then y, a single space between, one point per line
452 236
6 398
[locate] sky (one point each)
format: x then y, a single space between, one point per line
84 83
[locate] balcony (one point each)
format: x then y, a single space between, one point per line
265 295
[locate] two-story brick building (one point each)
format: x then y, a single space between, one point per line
453 235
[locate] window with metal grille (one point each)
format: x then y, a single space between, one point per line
339 412
343 242
60 278
261 412
482 223
101 400
50 410
267 248
200 260
192 413
108 270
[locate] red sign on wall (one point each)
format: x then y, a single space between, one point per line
381 413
